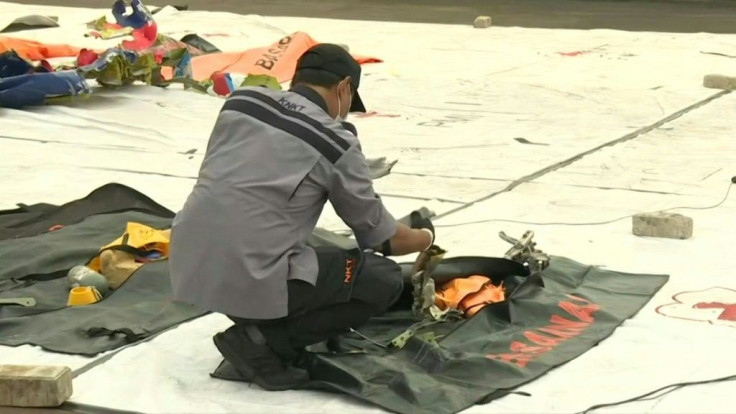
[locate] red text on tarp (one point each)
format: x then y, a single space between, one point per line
539 341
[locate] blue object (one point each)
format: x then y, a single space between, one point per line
33 89
139 17
183 68
13 65
230 84
154 254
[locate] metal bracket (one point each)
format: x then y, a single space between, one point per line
525 252
424 288
27 302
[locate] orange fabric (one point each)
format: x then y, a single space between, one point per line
469 294
277 60
452 292
32 50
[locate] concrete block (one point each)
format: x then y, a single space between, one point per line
666 225
720 82
34 385
481 22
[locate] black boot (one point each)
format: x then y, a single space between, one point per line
257 362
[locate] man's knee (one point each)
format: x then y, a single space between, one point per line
379 283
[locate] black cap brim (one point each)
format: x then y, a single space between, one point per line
357 104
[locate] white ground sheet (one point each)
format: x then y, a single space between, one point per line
462 96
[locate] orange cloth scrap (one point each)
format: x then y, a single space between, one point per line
469 294
277 60
32 50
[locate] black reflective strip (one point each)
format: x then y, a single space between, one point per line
284 124
295 114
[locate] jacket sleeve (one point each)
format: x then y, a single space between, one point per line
353 198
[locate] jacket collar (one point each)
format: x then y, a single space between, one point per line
312 95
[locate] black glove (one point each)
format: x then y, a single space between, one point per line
418 222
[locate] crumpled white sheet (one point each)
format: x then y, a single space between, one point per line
462 96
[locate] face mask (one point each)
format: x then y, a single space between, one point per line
340 118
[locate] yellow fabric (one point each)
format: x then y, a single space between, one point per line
143 237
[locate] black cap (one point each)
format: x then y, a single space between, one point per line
336 60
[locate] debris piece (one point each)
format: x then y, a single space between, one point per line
718 54
523 140
199 43
184 7
34 385
720 82
524 251
139 23
424 288
664 225
482 22
31 22
27 301
375 114
575 53
20 91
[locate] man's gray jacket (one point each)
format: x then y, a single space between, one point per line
274 158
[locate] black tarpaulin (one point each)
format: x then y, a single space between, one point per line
141 308
39 243
35 262
31 220
548 319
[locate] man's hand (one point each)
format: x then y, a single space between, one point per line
422 223
418 236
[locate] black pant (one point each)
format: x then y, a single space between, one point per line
351 287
